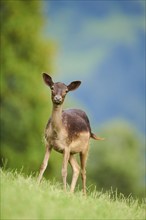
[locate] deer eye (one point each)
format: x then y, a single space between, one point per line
52 88
64 92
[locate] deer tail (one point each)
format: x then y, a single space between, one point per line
96 138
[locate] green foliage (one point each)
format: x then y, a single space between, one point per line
118 161
25 53
22 198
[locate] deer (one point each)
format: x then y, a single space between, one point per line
67 132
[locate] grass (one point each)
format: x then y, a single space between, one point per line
22 198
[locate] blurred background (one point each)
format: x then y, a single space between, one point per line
101 43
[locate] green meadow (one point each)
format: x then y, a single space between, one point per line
23 198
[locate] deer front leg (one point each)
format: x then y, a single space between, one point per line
66 155
76 171
45 163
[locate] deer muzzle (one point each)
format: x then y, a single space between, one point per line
57 99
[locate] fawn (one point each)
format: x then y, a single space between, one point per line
68 132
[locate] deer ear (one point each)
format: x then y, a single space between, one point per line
47 79
73 85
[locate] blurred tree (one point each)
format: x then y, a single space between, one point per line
25 53
118 161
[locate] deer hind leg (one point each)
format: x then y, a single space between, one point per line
83 158
76 171
45 163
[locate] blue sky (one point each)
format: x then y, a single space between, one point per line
101 43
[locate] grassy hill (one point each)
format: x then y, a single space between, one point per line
22 198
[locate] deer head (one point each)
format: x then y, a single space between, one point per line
58 89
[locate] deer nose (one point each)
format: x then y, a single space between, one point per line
58 98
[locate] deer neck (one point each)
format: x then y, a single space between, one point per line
56 119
